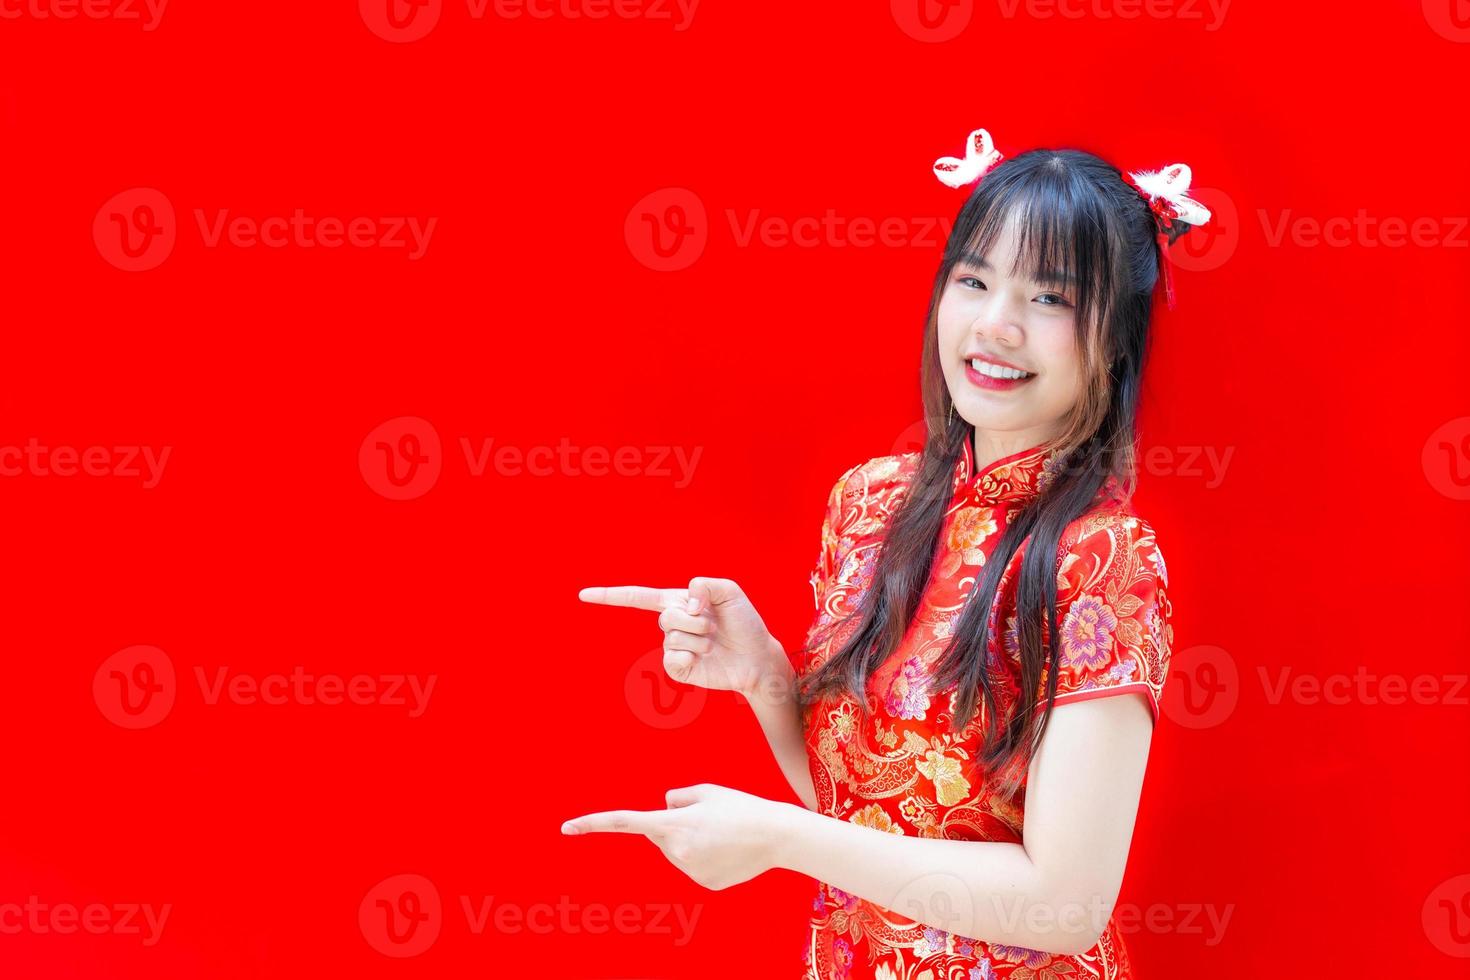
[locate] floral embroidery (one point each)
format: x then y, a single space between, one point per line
859 567
1034 964
843 957
907 694
971 527
982 972
1012 639
842 899
949 785
934 941
844 723
1020 954
1159 568
1087 633
901 768
876 817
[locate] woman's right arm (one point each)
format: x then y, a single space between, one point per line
773 699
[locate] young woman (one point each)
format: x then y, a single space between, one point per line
976 697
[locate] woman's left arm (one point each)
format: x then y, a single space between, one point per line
1053 892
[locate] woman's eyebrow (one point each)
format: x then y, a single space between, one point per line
1046 277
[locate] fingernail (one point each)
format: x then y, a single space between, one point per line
569 828
693 605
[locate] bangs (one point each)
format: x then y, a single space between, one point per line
1060 242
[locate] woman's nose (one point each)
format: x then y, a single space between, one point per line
998 327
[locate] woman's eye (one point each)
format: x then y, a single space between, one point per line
1057 298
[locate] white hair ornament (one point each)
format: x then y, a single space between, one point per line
1164 190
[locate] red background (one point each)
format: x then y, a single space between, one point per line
1334 540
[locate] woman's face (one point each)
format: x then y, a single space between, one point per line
1029 325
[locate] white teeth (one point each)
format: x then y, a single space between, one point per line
995 371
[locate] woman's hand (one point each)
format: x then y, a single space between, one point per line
717 836
713 637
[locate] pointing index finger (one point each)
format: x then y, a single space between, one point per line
646 822
634 596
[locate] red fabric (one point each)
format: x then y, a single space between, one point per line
901 771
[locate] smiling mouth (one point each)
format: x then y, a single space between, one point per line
989 370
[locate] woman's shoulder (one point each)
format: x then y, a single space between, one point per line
859 506
1107 513
865 496
880 473
1111 533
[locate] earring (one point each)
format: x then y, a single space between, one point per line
951 413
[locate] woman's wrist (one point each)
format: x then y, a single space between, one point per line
775 678
787 822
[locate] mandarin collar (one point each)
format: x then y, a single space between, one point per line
1019 476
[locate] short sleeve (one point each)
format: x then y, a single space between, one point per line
1112 611
825 568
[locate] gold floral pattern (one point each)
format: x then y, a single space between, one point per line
876 817
902 770
949 785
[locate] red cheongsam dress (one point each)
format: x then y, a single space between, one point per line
900 772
